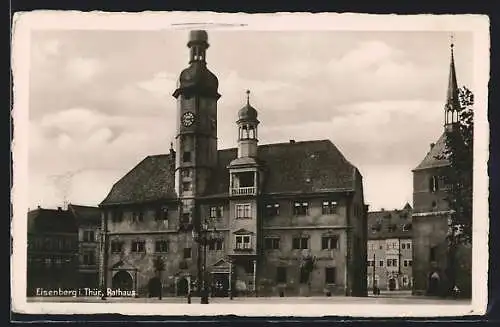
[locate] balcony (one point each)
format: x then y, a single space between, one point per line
243 191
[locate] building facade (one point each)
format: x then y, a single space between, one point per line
275 206
52 251
431 212
88 221
390 257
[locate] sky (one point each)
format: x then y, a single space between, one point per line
101 101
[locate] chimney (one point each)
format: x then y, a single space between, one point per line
432 145
292 141
38 207
59 208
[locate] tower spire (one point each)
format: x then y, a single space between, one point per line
248 97
452 102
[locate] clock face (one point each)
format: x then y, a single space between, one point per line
188 119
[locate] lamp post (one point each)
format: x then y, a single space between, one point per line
205 237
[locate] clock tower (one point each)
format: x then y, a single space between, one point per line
196 137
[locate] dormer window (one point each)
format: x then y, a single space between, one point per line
407 227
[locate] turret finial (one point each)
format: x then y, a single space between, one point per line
248 96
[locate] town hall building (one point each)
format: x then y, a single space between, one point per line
275 207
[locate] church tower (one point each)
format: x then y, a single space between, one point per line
196 139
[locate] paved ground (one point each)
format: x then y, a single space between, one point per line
392 298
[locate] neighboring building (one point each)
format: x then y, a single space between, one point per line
390 257
52 250
274 204
88 220
431 212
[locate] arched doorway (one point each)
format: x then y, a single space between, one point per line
433 283
392 284
123 281
154 287
182 287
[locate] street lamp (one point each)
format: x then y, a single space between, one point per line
205 237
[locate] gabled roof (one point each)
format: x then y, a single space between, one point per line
432 159
298 167
51 221
379 222
85 213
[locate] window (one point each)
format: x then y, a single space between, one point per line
48 262
389 262
243 242
116 246
403 246
391 228
161 214
299 243
381 263
433 184
243 210
88 236
186 156
186 186
187 253
117 216
216 212
330 275
380 247
301 208
272 243
89 258
371 263
407 227
281 275
139 246
408 245
216 245
186 173
329 207
161 246
137 216
433 253
273 210
410 262
329 242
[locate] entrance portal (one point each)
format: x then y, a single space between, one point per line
220 285
392 284
182 287
123 281
154 287
433 284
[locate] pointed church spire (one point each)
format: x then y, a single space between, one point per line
452 102
452 93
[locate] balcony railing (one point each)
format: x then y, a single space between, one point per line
243 191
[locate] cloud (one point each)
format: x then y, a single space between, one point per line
82 69
99 103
